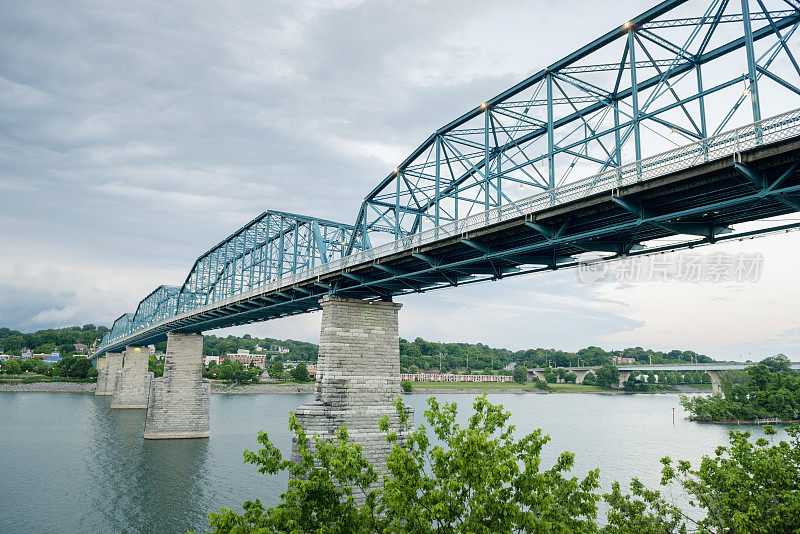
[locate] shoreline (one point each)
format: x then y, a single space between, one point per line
759 422
295 389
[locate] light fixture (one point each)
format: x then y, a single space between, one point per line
746 91
521 187
396 170
673 131
484 105
627 25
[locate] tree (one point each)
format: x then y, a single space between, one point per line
300 373
607 375
406 386
275 369
12 367
550 376
746 487
483 480
520 374
589 379
570 378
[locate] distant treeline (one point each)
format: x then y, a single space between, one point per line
46 341
414 355
426 355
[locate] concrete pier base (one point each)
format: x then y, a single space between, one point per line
132 383
358 375
107 373
180 400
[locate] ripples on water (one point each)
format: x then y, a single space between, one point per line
70 464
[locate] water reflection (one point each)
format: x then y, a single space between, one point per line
144 485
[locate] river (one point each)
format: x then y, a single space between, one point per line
70 464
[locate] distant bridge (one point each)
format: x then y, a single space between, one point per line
625 371
570 160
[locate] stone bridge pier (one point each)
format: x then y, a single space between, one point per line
358 376
180 400
107 373
714 381
132 382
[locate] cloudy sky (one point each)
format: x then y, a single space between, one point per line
135 135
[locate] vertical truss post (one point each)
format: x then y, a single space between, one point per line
438 176
637 142
751 60
551 171
617 143
486 170
701 102
294 253
281 250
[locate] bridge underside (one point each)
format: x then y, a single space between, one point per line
692 207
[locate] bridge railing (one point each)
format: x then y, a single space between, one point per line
730 143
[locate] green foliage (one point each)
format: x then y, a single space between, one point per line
74 367
220 346
520 374
12 367
746 487
607 375
642 512
589 379
300 373
550 377
570 377
406 386
479 478
769 389
154 366
63 339
234 372
275 369
425 355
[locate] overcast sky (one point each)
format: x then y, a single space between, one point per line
135 135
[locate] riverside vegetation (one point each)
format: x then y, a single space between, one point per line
770 389
449 478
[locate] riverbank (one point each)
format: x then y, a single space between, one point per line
424 388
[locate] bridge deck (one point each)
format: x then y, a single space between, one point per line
696 192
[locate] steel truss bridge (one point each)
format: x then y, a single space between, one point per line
571 160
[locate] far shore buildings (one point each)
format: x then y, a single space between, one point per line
622 360
247 359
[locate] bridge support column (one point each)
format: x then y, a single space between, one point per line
107 373
180 400
623 377
538 374
358 376
714 381
132 384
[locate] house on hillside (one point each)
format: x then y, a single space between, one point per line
80 347
53 358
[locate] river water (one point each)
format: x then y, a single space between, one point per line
70 464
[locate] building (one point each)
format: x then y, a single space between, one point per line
53 358
279 349
80 347
208 359
247 359
622 360
26 354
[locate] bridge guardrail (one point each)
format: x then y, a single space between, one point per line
730 143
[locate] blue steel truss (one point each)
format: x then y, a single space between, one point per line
269 247
679 72
675 76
